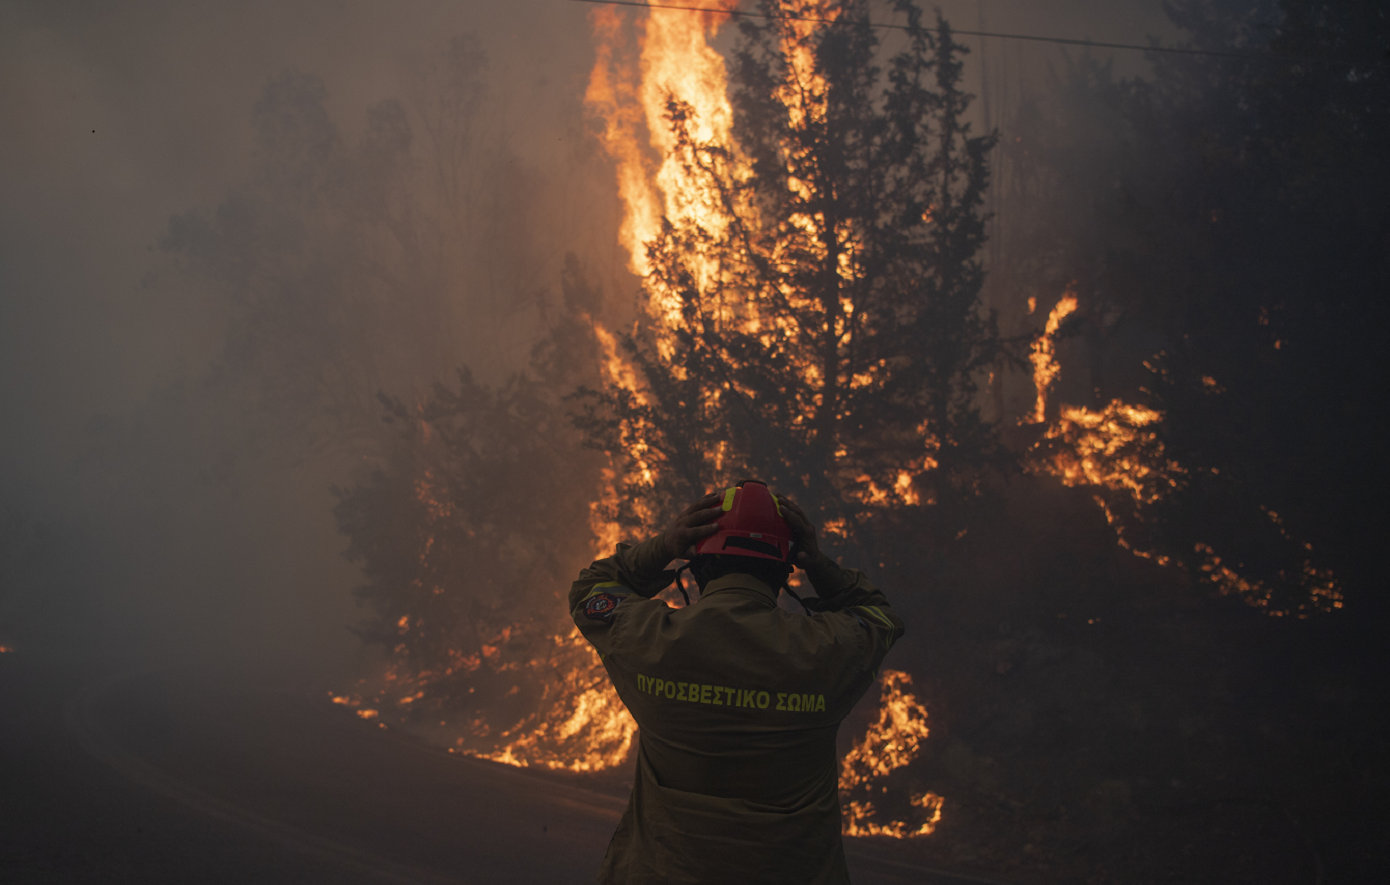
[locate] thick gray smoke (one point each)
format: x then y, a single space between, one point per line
174 394
224 227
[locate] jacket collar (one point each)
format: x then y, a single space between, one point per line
736 582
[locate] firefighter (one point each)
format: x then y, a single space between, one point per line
738 700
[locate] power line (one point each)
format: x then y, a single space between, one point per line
1067 41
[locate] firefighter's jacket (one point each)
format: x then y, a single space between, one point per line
738 702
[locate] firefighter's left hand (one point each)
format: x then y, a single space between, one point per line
803 531
692 527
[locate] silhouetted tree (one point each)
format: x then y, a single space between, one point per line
1236 246
473 523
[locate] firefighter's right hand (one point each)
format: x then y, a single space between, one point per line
803 532
692 527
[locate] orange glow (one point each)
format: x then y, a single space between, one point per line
1118 448
606 532
1044 356
652 70
904 489
1320 584
1115 449
581 724
891 743
578 723
675 62
616 370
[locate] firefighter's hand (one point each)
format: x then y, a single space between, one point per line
803 532
692 527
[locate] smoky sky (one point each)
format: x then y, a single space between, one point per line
119 116
122 115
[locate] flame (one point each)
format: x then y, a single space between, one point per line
1044 356
890 744
670 74
676 62
1118 449
607 533
577 724
1114 448
616 370
1319 583
667 120
581 724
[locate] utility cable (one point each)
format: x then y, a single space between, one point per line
1066 41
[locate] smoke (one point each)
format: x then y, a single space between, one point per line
224 228
167 435
173 429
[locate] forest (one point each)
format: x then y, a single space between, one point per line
1086 384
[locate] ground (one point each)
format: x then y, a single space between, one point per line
156 776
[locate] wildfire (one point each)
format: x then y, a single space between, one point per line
566 714
1118 449
679 70
1044 356
581 724
890 744
1115 448
676 61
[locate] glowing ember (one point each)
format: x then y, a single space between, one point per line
1319 584
6 649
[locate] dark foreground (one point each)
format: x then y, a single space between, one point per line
150 777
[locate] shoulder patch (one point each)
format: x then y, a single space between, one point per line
601 607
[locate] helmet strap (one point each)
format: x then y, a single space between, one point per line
787 587
680 585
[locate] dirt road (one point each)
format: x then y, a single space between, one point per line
153 777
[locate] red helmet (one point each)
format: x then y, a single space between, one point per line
751 525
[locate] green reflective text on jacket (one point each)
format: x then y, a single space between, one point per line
738 702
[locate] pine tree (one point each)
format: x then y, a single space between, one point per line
822 329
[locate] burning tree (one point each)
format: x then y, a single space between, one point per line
810 288
466 534
1226 240
810 312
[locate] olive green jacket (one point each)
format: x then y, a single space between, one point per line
738 702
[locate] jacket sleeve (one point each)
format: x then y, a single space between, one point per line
632 575
845 593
